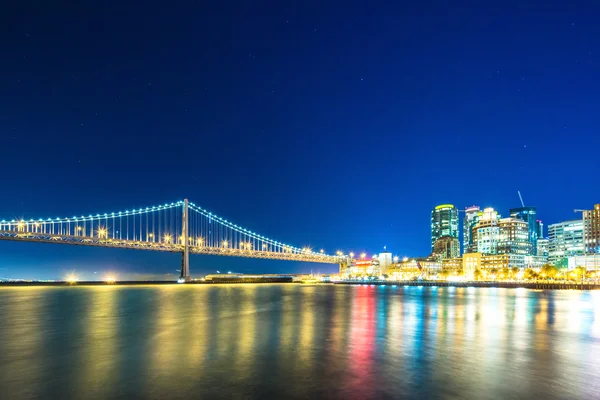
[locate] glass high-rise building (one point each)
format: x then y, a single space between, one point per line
543 246
591 221
514 237
446 247
486 232
529 215
471 214
444 222
566 240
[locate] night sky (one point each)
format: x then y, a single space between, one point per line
334 125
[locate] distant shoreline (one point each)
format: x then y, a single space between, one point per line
129 283
87 283
504 285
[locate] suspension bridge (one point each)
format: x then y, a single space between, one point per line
179 227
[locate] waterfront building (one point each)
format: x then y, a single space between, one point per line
535 261
499 261
565 240
486 232
471 214
477 261
446 247
471 263
415 266
444 222
591 233
529 215
363 267
542 247
453 266
591 262
385 261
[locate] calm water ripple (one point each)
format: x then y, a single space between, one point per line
296 341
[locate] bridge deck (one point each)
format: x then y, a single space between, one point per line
161 246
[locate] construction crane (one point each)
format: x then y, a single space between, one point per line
521 198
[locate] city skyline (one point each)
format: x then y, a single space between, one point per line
286 120
453 229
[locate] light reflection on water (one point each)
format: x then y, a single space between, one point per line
298 341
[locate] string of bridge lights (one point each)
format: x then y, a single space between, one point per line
97 216
251 234
25 224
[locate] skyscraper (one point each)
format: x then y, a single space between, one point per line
542 247
444 222
528 214
446 247
539 226
566 239
486 232
514 237
591 220
469 222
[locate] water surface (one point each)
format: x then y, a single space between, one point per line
297 341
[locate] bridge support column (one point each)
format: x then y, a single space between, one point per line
344 264
185 257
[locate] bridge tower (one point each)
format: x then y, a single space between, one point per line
185 257
344 264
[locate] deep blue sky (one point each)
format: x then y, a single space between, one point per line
335 125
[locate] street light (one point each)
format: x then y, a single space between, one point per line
363 255
225 243
167 238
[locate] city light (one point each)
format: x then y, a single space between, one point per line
110 279
363 255
71 279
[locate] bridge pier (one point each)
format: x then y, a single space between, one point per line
185 256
